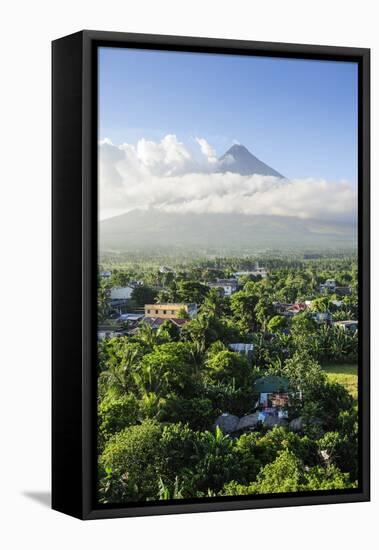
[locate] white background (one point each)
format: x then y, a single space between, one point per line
26 31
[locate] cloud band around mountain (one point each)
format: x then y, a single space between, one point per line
166 175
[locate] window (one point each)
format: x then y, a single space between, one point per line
164 312
148 311
156 311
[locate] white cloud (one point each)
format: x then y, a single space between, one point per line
167 157
207 150
105 141
165 175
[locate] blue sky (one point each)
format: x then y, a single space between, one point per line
298 116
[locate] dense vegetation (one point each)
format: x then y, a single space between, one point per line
160 391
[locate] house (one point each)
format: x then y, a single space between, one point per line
253 272
109 331
273 394
243 349
130 317
226 286
280 307
294 309
322 317
169 311
153 322
328 286
121 293
343 290
351 326
179 322
156 322
289 310
227 422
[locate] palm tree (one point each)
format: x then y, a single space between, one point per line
163 296
118 373
212 305
214 460
197 330
147 335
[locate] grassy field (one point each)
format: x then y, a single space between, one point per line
346 375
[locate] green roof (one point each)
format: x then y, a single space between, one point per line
271 384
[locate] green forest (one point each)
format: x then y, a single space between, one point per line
164 393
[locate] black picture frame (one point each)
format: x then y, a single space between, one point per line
74 269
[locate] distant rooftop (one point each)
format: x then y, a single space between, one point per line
242 347
156 322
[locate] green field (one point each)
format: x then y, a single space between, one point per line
346 375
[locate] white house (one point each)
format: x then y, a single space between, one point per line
351 326
121 293
322 317
243 349
228 286
329 285
108 331
254 272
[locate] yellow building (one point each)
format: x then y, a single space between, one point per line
169 311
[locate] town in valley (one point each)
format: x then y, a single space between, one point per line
224 376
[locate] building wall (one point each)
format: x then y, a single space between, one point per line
226 289
122 293
164 311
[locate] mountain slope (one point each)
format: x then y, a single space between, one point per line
239 160
151 229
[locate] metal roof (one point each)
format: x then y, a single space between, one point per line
271 384
242 347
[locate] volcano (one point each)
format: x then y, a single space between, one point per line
157 230
239 160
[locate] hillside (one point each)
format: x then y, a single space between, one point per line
154 228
